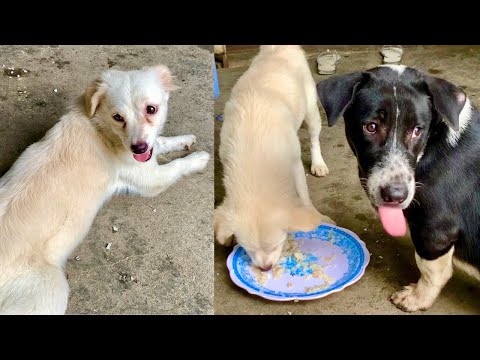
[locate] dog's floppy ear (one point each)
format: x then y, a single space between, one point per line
93 95
166 78
448 100
304 219
222 225
337 93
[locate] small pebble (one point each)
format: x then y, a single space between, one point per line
365 229
289 313
381 257
55 90
296 300
77 258
114 228
154 210
25 71
18 76
109 245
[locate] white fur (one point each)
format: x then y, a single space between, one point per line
397 112
464 119
398 68
434 276
420 155
264 178
381 175
51 194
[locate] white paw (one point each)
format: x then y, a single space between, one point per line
188 141
408 299
328 220
319 169
197 160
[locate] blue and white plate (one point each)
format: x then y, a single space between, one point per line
325 261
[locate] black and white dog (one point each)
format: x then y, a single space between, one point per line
417 142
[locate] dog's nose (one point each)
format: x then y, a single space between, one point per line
265 267
394 193
139 148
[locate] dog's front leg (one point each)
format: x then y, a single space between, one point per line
152 180
302 189
434 276
174 143
301 183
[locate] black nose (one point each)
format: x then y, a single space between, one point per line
395 193
265 268
139 148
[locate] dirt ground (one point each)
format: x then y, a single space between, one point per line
160 260
340 196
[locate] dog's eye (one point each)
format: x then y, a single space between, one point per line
370 128
151 109
417 131
117 117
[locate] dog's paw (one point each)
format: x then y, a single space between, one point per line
326 219
408 299
188 142
319 169
197 161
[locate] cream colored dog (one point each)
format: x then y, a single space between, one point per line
266 188
107 143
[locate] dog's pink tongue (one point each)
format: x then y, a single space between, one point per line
393 220
142 157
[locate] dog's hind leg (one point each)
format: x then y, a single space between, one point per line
314 122
434 276
175 143
37 291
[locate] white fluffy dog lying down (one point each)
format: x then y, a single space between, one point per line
266 189
107 143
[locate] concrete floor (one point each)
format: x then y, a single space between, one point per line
340 196
167 252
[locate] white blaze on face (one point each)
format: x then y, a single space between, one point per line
397 112
394 168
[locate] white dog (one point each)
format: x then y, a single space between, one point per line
266 188
107 143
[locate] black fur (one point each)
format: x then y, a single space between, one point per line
448 196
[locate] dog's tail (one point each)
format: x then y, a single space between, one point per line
36 291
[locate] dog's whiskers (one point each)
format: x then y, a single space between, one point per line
419 185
